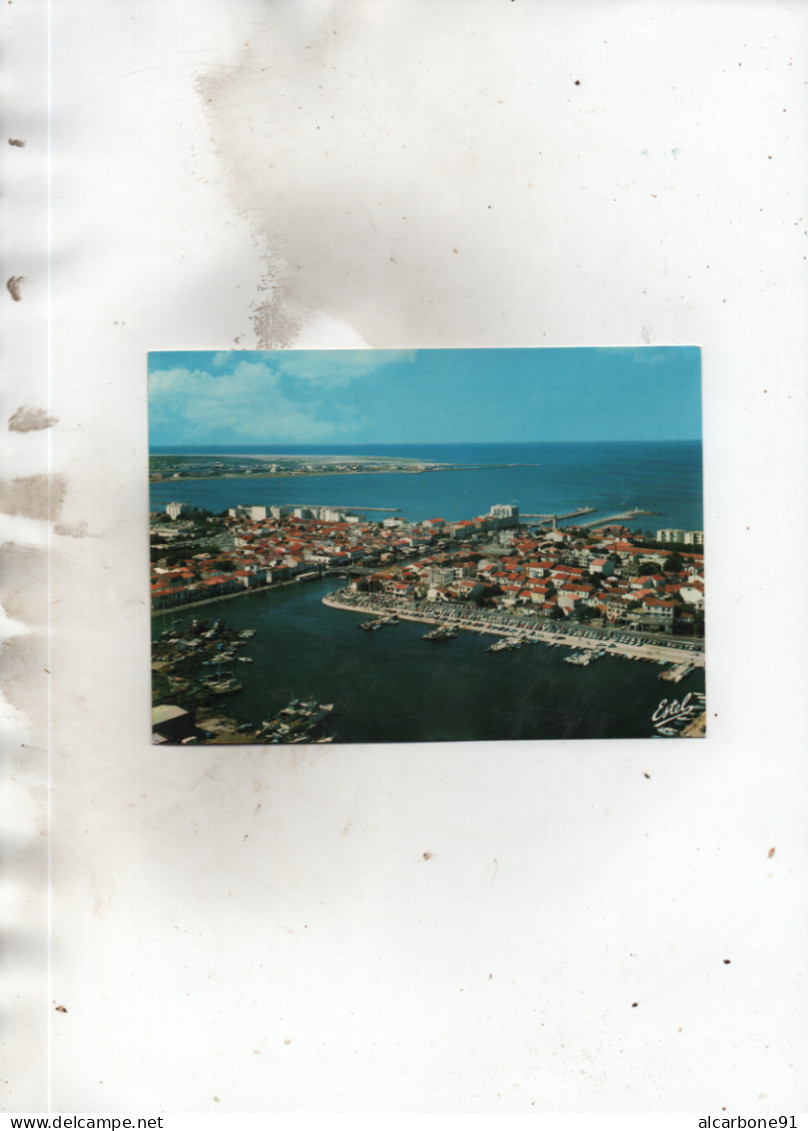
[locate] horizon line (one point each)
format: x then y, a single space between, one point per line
426 443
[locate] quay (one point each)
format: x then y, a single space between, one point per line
579 636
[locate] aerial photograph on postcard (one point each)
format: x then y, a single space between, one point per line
372 546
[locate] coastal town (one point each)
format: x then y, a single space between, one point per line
596 587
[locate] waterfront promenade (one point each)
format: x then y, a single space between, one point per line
628 644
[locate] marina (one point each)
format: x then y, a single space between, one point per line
391 687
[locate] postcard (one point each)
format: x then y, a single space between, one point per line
517 534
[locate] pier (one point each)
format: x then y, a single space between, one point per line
560 517
626 515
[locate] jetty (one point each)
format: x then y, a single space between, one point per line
636 512
676 674
560 517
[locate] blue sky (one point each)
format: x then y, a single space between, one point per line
425 396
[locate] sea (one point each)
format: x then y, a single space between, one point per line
391 685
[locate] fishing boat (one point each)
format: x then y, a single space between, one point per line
297 720
225 687
442 632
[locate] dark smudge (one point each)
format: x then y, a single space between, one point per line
14 286
35 496
27 419
71 529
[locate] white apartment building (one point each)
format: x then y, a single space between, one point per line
688 537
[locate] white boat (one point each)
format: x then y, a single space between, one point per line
225 687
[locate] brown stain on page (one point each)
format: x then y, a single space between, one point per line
328 223
34 496
275 323
16 141
25 678
14 287
27 419
23 572
71 529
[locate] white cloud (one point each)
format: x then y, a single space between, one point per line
255 397
337 368
245 405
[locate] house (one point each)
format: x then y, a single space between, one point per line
693 594
603 566
617 606
568 601
657 613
